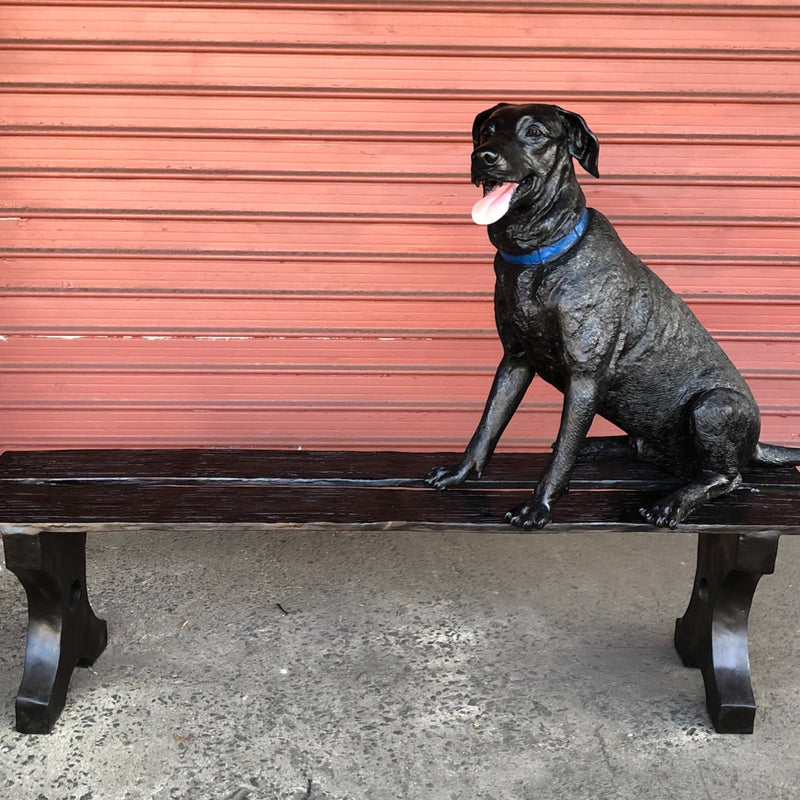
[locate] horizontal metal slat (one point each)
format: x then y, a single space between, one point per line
388 72
398 24
242 315
717 7
372 274
354 195
357 427
167 315
250 156
283 427
280 112
475 351
317 385
389 235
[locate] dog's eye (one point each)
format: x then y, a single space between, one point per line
487 132
535 132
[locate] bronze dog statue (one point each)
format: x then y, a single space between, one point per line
575 306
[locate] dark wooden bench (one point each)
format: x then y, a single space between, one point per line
49 501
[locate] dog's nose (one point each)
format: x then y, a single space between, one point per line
488 157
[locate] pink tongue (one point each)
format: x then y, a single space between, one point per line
494 205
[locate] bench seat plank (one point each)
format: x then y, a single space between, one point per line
507 470
90 506
93 487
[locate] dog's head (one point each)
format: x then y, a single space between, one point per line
523 155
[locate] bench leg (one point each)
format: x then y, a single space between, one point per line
712 634
63 631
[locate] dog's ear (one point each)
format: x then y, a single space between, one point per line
583 144
480 119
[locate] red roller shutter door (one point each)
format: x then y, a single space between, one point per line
247 223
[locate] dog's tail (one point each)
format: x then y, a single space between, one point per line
773 455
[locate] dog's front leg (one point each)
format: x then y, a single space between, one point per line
580 405
513 377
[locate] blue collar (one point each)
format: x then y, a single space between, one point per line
544 255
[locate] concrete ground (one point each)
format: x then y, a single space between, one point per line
359 665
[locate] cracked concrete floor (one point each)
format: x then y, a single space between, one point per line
359 665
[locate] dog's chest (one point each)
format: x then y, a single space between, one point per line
527 312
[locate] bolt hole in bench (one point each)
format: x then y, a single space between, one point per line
49 501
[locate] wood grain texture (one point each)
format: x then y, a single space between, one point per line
100 488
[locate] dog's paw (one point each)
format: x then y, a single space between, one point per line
665 514
442 477
533 514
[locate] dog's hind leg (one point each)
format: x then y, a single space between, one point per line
724 425
675 507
